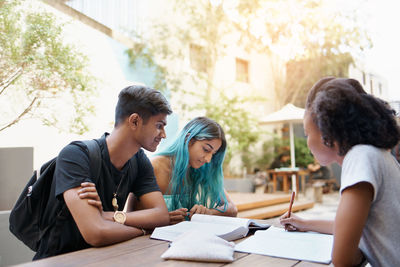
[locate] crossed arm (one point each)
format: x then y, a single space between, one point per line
98 227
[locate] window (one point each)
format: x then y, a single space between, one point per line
198 59
242 70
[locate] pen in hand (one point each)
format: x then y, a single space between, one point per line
291 203
290 206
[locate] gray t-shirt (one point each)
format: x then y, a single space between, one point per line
380 241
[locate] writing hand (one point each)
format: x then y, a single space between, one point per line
294 223
177 216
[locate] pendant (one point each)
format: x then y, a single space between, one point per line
115 203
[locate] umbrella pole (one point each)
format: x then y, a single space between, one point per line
292 156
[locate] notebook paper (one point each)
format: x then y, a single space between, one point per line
277 242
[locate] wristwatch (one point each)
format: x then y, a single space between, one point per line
120 217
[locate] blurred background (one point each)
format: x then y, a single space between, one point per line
64 62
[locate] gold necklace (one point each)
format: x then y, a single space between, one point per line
114 201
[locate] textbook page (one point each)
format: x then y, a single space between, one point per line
228 232
248 223
228 228
276 242
219 219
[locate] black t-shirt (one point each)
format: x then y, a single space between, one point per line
72 168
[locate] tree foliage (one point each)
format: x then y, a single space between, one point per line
274 147
193 90
306 37
312 38
37 69
238 124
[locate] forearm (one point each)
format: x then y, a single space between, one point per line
108 233
95 229
230 211
321 226
148 218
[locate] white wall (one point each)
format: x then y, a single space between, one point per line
104 65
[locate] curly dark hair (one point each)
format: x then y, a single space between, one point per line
346 114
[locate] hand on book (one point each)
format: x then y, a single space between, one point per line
199 209
293 223
177 216
182 214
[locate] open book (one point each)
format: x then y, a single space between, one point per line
276 242
228 228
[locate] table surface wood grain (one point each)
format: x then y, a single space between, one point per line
143 251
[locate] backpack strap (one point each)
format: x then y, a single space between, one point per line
94 157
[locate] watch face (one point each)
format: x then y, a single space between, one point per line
120 217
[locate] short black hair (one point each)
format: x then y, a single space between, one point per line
346 114
142 100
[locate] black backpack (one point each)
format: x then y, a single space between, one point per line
33 213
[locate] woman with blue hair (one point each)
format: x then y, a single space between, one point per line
189 172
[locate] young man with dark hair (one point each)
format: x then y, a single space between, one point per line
124 168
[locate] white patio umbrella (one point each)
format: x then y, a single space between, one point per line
288 114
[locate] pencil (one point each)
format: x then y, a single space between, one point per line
291 203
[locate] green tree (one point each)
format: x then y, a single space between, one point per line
301 74
303 154
238 124
288 31
272 148
201 27
38 70
307 39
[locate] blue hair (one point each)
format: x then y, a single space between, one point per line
204 186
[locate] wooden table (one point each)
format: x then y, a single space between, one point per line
285 174
143 251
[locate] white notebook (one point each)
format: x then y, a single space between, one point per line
276 242
228 228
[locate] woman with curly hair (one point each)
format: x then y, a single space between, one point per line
346 125
189 172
